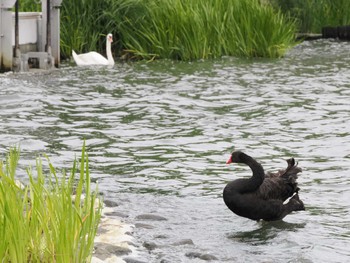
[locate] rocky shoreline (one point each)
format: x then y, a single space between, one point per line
114 241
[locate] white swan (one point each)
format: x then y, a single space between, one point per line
94 58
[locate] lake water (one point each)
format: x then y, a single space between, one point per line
159 134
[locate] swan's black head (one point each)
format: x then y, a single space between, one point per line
237 157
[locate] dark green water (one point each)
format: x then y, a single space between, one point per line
159 134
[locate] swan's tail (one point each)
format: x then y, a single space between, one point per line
291 173
76 58
74 55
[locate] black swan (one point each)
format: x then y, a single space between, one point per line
262 196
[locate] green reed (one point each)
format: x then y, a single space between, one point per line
52 219
29 6
199 29
83 27
82 24
176 29
312 15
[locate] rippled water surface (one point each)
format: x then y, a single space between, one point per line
159 133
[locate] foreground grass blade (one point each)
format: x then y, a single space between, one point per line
52 219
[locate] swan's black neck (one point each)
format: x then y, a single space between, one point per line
258 177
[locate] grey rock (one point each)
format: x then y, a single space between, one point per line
141 225
101 230
110 203
161 236
206 257
118 214
133 260
151 217
150 245
104 250
183 242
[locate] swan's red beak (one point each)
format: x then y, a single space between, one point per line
229 160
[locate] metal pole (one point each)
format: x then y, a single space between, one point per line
16 29
48 27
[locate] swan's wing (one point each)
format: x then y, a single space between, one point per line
91 58
274 188
290 173
282 184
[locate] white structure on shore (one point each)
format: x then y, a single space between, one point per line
29 39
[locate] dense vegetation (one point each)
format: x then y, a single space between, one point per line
43 221
179 29
312 15
193 29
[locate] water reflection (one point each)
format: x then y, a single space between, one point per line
266 233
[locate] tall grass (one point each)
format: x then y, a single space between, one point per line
83 26
29 6
44 221
193 29
176 29
198 29
312 15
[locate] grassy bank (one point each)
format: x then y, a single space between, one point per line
199 29
44 221
84 26
312 15
176 29
193 29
